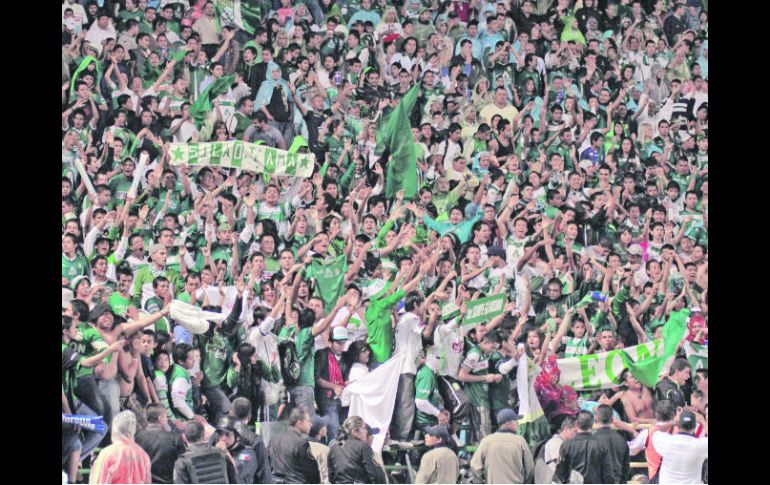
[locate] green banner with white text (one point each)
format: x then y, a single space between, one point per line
243 155
484 309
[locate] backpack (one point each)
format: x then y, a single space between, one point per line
290 364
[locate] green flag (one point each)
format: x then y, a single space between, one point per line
647 370
203 105
238 14
330 279
395 133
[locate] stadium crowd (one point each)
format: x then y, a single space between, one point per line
560 148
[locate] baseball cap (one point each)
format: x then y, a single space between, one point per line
340 333
505 415
98 311
76 281
439 432
496 251
687 420
225 227
317 422
635 250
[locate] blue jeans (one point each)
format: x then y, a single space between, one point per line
332 412
110 391
303 397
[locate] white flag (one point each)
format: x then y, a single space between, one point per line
373 397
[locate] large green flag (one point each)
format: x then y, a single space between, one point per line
330 279
203 105
238 14
647 370
395 133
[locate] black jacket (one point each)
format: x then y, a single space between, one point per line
291 458
668 390
203 464
263 473
352 461
164 447
618 450
587 455
322 371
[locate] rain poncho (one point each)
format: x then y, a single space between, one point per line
571 31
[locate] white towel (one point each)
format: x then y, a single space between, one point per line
193 318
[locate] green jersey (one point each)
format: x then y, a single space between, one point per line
88 344
153 305
143 278
305 345
119 304
77 266
499 391
120 185
216 357
426 388
379 327
477 364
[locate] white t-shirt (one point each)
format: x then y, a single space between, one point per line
449 341
409 340
683 457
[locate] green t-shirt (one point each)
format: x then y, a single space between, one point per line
216 354
153 305
499 391
305 344
478 365
426 388
77 266
119 304
120 185
90 344
379 327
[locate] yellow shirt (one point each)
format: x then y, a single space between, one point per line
509 112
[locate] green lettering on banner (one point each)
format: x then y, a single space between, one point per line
612 374
236 159
251 159
227 150
192 154
216 153
270 160
587 372
291 164
642 352
204 153
280 162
